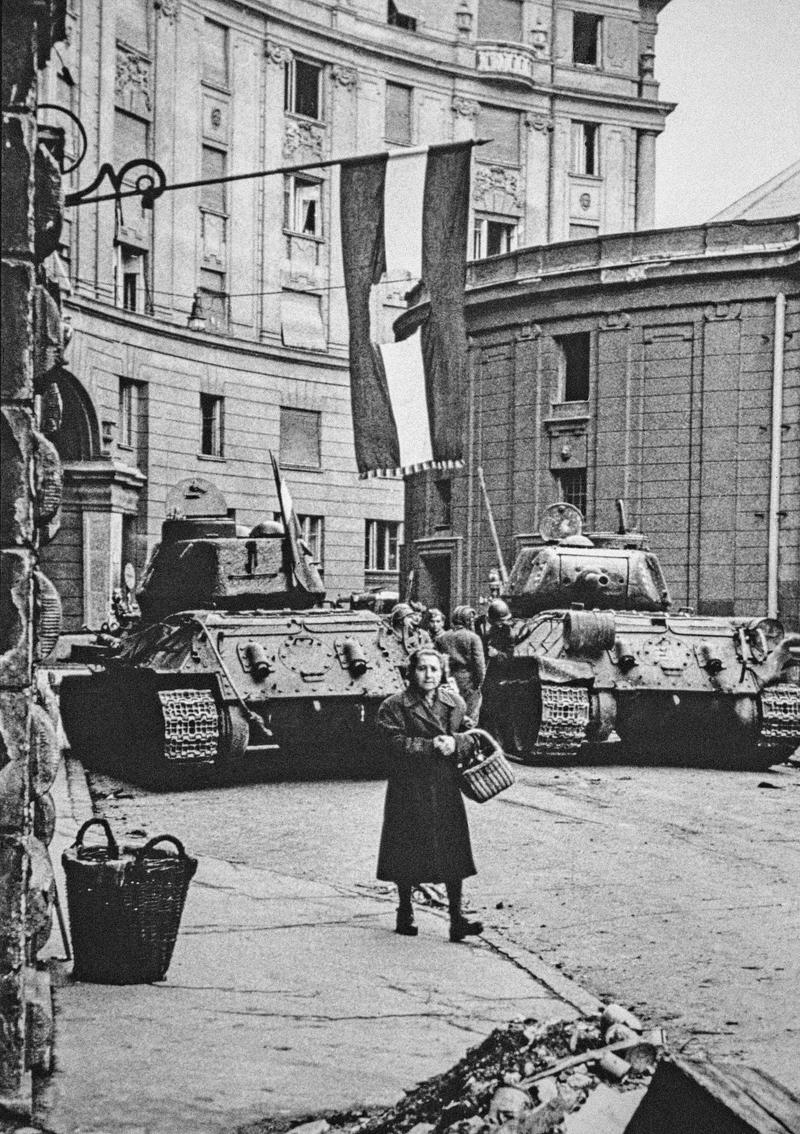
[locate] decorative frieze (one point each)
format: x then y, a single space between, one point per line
542 123
169 10
615 321
497 190
346 77
277 53
302 141
465 107
132 81
717 312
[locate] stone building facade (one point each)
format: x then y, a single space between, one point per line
659 367
212 327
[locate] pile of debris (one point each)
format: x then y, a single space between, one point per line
531 1078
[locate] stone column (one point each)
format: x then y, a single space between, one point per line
645 179
31 481
537 178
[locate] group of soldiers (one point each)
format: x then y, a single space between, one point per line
467 647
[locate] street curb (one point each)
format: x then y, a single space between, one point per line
564 988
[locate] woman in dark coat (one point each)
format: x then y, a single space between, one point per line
425 836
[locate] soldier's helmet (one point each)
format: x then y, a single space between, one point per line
498 612
399 613
464 616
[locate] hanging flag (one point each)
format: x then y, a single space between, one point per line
406 214
304 571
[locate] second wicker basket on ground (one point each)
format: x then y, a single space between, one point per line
125 907
489 774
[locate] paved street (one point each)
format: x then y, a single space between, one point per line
672 890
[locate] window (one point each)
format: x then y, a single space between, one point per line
500 19
215 53
583 231
128 412
585 155
300 438
492 236
396 18
211 425
586 32
302 205
213 164
574 366
572 488
303 86
312 532
502 126
215 300
131 279
397 126
381 545
443 502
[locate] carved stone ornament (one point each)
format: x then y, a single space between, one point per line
132 81
169 9
717 312
497 189
615 321
278 53
345 76
302 140
538 122
466 107
540 38
528 332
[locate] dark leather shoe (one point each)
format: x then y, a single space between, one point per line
405 925
461 928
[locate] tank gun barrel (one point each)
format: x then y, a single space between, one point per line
622 528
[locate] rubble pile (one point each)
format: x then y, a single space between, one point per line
527 1078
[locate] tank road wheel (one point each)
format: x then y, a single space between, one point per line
234 733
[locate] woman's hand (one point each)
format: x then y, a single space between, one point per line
444 745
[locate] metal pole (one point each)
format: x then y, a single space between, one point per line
773 530
74 200
498 550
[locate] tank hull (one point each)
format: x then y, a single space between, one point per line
671 688
208 695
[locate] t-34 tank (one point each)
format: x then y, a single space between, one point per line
235 656
585 647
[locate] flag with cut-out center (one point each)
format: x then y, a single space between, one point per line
406 214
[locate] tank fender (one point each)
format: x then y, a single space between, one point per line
589 631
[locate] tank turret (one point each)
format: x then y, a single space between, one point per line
201 562
567 567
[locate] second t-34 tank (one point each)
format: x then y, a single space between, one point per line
584 646
235 656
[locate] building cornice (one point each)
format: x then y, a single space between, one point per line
203 343
633 259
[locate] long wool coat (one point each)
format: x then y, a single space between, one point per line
425 835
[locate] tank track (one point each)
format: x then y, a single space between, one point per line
191 725
565 718
780 717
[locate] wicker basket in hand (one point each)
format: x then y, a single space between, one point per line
125 907
488 775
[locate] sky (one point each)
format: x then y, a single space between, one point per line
733 67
